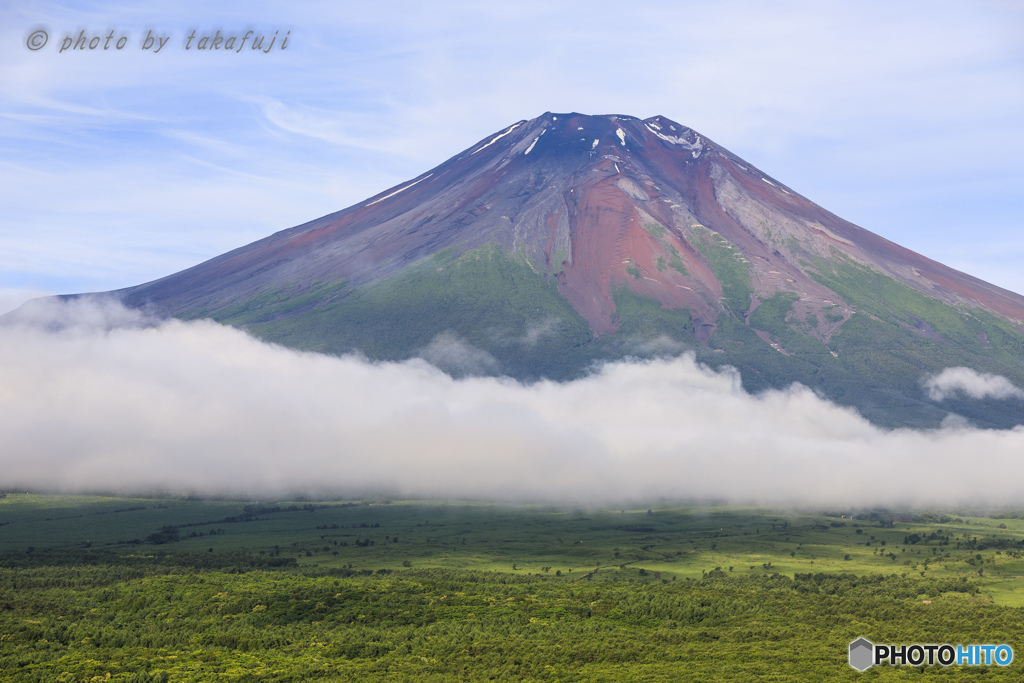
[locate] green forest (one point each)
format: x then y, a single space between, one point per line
96 588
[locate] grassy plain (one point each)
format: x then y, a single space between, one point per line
195 590
676 541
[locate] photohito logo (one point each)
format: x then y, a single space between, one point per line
864 654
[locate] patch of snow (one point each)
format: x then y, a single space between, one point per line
768 181
653 125
402 190
580 128
622 136
528 149
695 147
594 146
500 136
617 169
554 118
672 127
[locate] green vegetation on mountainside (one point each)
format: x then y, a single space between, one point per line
489 300
516 320
901 336
674 261
643 320
878 358
991 340
278 302
731 270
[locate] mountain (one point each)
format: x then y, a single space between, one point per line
569 239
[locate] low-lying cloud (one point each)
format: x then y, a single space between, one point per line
200 407
952 382
457 357
11 298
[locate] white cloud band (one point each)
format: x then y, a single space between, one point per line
202 407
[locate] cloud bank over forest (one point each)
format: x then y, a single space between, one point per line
93 397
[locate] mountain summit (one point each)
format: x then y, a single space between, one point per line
569 239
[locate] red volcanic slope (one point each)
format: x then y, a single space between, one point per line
591 201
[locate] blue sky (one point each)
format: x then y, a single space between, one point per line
121 166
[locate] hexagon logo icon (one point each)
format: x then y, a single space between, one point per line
862 654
